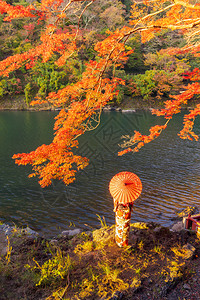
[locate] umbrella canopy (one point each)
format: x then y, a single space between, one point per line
125 187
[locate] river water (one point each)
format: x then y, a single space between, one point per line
168 167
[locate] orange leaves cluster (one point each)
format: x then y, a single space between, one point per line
140 140
186 132
179 14
193 76
113 46
53 4
125 151
43 10
14 12
57 160
93 86
147 35
176 14
96 91
82 100
174 106
50 43
47 168
171 108
62 43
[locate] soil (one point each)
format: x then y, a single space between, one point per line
157 264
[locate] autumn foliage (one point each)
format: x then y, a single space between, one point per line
81 102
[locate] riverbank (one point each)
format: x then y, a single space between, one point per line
128 104
159 263
18 103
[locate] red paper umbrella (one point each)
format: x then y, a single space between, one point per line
125 187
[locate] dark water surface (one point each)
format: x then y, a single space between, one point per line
169 169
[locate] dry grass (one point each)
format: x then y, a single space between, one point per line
93 266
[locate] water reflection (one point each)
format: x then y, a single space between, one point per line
168 168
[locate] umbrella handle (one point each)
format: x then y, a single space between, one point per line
117 204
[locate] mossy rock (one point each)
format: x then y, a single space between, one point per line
104 235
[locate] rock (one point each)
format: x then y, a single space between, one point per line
6 229
128 110
103 235
71 233
168 287
3 243
53 242
1 227
4 251
189 251
108 108
177 227
30 232
157 229
186 286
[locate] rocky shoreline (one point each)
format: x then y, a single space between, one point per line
22 106
160 263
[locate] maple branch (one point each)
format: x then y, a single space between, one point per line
182 3
127 35
157 12
79 19
98 120
172 27
194 33
57 159
141 140
62 11
186 26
